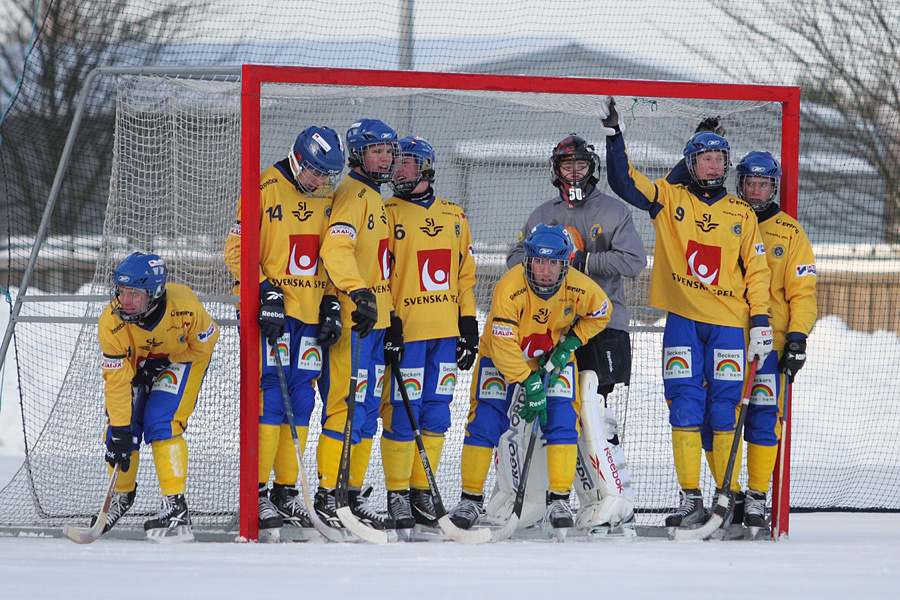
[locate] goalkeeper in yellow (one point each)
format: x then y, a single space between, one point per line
156 340
432 284
356 254
541 312
710 275
299 314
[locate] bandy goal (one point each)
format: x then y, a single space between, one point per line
189 144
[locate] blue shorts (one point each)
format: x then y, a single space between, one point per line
492 396
703 372
301 359
429 375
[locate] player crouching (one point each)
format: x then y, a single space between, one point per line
156 342
538 308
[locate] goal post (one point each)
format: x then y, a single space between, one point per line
256 77
188 144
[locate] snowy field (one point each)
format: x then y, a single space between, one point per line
828 555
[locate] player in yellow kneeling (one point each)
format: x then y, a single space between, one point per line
156 340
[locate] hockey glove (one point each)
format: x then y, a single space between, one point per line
711 124
760 344
366 314
611 125
271 311
118 447
535 400
793 357
562 353
148 372
467 343
393 342
329 322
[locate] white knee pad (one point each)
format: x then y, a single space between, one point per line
602 480
508 459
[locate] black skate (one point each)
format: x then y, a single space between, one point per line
326 508
690 512
286 499
422 504
270 521
469 510
754 513
558 518
121 502
362 508
172 524
399 509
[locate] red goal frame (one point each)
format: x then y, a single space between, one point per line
252 78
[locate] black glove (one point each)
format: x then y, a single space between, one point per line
271 311
792 358
711 124
393 342
579 261
329 322
118 447
611 122
366 314
148 372
467 343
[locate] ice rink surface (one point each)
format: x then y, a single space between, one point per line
828 555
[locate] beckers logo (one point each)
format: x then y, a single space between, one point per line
304 256
434 269
704 262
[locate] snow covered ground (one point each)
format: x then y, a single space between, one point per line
828 555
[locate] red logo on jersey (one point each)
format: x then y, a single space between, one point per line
434 269
384 258
536 344
304 257
704 262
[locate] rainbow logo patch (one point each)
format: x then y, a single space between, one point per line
379 385
676 362
412 384
168 377
760 390
311 355
494 384
283 350
562 382
361 388
729 365
449 380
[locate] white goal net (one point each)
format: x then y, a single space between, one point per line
176 179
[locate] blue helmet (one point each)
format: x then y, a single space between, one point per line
147 272
320 152
701 143
417 148
371 132
759 164
547 242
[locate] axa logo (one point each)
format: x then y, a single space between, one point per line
706 224
301 213
704 262
430 229
303 258
434 269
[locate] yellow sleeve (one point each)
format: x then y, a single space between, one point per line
506 343
339 246
800 286
466 269
594 308
118 369
757 276
201 336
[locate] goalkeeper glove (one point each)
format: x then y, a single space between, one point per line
535 400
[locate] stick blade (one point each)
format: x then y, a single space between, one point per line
504 533
362 531
464 536
700 533
83 536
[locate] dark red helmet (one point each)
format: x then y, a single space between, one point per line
573 185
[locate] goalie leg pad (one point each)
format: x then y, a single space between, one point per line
602 480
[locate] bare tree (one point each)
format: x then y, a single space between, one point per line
72 38
845 55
